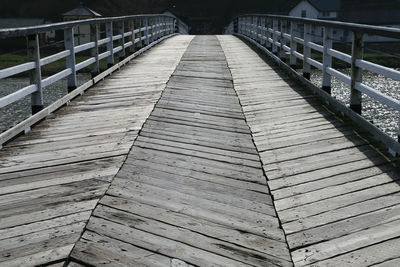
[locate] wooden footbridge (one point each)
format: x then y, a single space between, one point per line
198 152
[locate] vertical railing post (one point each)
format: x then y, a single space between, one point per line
274 36
251 26
140 33
69 43
158 28
257 29
263 32
110 43
356 72
133 37
282 51
327 60
155 23
152 29
146 32
293 44
163 29
259 26
94 37
398 132
247 26
254 23
269 34
35 76
121 30
306 51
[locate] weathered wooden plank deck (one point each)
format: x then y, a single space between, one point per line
337 197
52 178
192 187
197 154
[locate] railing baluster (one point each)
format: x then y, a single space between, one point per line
255 29
275 36
356 72
306 51
140 33
131 25
327 60
121 30
35 76
282 52
398 132
94 37
110 44
151 31
269 34
263 32
69 43
293 44
146 32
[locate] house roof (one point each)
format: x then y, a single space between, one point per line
374 17
81 11
325 5
19 22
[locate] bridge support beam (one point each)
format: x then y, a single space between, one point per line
356 72
35 76
327 60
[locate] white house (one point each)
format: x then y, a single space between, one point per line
316 9
330 10
82 33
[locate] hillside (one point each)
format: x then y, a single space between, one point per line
204 16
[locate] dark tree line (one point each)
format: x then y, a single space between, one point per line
204 16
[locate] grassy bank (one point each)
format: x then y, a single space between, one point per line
9 60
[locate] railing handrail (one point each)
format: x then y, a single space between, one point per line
364 28
279 36
122 37
31 30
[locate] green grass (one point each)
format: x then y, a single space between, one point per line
10 60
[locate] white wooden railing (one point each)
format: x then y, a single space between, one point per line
134 34
280 36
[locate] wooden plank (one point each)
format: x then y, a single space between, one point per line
249 240
188 237
192 187
335 194
159 244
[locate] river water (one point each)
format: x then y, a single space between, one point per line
383 117
12 114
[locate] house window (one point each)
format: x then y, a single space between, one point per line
325 13
303 13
